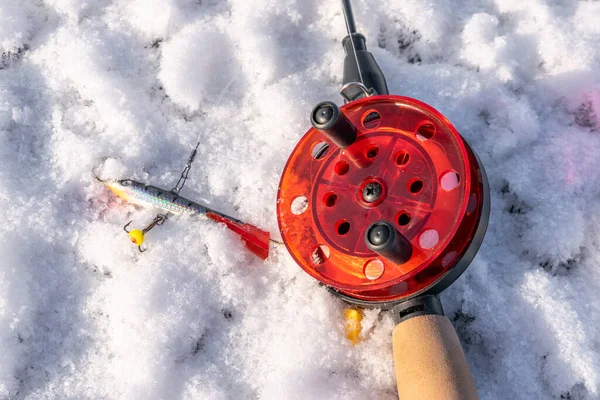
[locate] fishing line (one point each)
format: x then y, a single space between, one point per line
351 30
186 170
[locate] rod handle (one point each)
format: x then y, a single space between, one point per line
430 362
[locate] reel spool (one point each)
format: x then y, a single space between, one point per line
382 200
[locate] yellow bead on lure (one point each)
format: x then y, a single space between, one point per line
137 237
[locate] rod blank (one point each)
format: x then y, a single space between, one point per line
349 16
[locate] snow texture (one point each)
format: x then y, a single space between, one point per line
84 316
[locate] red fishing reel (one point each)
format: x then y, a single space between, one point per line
382 200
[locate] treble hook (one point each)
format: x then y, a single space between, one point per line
137 236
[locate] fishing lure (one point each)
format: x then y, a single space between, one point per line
255 239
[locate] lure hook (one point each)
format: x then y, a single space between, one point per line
126 225
137 236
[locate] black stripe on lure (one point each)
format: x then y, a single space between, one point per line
255 239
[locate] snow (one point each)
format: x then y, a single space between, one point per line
125 87
197 50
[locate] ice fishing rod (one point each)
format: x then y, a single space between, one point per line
386 204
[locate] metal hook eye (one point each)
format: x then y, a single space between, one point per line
160 219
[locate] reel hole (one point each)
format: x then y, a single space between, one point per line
429 239
425 131
449 181
372 151
341 167
448 258
320 254
299 205
472 204
371 120
343 227
319 150
330 199
415 186
402 158
374 269
403 218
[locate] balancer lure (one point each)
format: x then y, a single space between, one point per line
256 240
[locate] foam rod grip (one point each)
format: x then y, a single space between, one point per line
430 362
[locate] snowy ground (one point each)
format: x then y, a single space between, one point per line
83 316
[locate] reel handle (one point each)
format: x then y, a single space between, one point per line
430 362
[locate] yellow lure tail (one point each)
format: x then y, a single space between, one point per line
353 317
